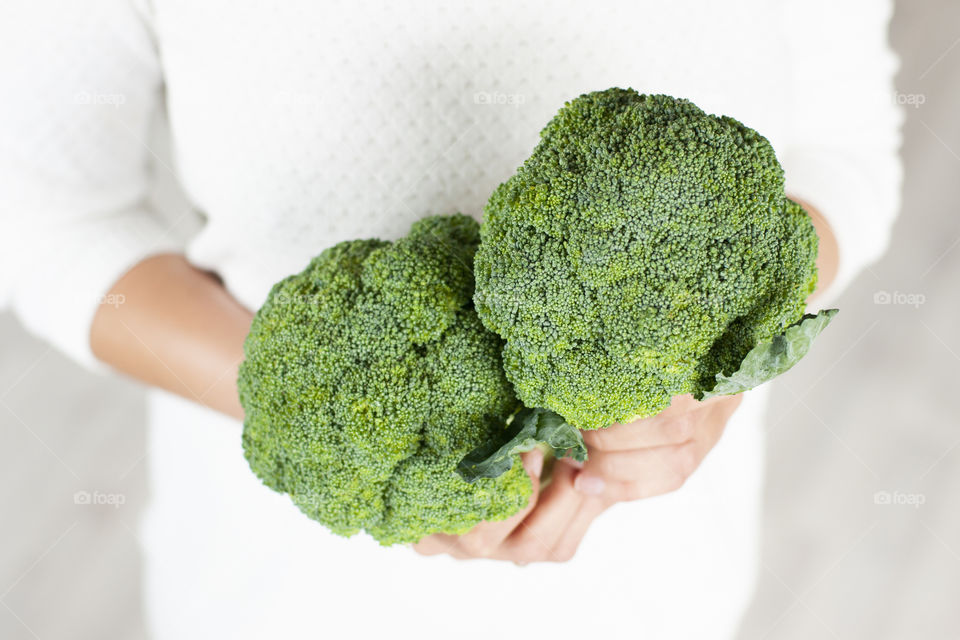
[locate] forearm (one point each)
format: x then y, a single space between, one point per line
178 329
828 254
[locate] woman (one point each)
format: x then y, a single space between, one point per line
299 125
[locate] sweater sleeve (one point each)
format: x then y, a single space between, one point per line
75 162
842 150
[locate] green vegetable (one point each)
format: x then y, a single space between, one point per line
368 377
644 250
772 357
529 428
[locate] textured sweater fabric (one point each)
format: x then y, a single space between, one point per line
296 125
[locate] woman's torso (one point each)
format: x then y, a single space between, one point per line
299 124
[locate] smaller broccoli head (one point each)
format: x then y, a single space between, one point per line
643 248
367 378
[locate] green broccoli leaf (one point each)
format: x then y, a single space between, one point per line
529 428
769 359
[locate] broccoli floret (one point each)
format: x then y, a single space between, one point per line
367 378
644 248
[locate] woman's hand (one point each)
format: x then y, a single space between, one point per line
642 459
549 529
655 455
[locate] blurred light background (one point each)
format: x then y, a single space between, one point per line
862 531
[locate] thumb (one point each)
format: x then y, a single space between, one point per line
533 464
487 536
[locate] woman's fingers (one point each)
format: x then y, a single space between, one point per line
566 547
657 431
674 425
536 537
643 459
483 540
438 543
548 529
622 475
657 469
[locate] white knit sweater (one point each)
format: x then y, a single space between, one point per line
298 124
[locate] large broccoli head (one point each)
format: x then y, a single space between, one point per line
642 249
367 378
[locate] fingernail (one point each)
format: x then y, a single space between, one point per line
534 463
590 485
573 462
